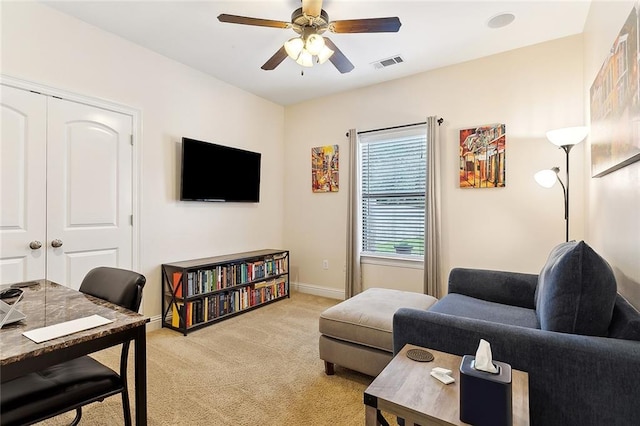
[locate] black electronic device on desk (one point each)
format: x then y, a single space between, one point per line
10 293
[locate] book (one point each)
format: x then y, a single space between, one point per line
189 310
177 284
176 317
191 278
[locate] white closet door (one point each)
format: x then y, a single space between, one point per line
89 190
22 185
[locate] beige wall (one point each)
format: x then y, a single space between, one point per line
613 201
47 47
531 90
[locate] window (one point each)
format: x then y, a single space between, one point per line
392 187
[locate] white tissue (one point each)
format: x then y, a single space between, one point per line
484 361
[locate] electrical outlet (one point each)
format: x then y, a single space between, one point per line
325 264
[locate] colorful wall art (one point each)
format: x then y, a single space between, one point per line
324 169
482 157
615 104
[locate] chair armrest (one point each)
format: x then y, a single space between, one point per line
573 379
509 288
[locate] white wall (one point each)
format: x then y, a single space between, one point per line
44 46
531 90
613 219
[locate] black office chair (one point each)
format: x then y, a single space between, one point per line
72 384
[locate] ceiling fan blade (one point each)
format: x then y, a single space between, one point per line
373 25
244 20
312 7
275 60
338 59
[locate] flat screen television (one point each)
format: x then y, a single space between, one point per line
212 172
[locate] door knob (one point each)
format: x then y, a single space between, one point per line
35 245
56 243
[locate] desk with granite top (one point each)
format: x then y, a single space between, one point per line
47 303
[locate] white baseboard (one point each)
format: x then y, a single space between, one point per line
155 323
331 293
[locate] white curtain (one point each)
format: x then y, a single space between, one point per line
353 282
432 267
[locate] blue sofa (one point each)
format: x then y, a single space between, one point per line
578 339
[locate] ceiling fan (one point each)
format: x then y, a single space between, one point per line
310 22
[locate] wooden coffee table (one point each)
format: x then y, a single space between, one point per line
405 388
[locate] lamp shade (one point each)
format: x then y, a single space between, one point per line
546 178
305 59
293 47
324 55
567 135
314 44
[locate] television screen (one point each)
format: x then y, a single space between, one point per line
213 172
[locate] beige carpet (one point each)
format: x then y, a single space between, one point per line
259 368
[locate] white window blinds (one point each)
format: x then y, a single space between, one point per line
393 185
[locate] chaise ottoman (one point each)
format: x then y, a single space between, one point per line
357 333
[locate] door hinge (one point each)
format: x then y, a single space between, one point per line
131 139
131 219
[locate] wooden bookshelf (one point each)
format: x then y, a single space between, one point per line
197 293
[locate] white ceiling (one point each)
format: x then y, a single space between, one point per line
433 34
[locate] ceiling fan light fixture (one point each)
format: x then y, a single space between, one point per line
294 47
314 44
305 59
324 55
311 21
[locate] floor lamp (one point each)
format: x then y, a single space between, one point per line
566 139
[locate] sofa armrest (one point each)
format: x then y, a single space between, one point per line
509 288
573 379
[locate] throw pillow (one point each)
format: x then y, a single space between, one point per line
576 291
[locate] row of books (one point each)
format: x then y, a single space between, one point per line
225 276
217 305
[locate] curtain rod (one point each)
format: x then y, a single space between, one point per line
440 120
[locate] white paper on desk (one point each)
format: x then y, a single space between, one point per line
43 334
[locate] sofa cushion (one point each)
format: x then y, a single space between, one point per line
465 306
367 318
576 291
625 322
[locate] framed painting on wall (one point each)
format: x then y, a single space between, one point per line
324 169
615 103
482 156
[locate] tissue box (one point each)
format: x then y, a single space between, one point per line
485 398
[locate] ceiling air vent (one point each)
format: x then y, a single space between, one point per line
383 63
